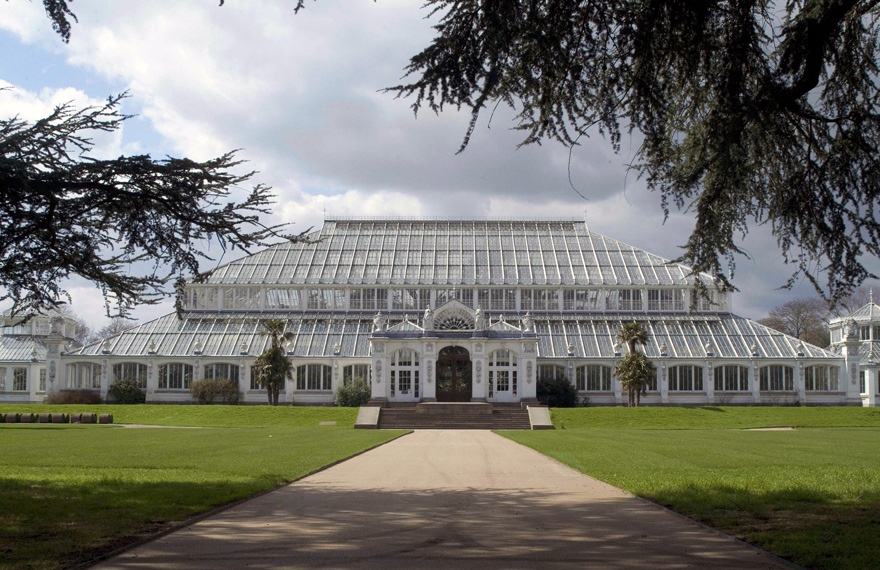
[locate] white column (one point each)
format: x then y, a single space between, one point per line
871 376
478 386
152 379
379 389
755 382
106 377
33 380
244 378
710 382
429 384
617 386
799 385
663 383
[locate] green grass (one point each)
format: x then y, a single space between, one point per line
711 417
809 495
72 492
206 416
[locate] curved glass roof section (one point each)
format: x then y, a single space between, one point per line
454 253
320 335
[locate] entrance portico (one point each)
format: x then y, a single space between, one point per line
454 357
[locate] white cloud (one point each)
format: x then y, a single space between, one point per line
32 107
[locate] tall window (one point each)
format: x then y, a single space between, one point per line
203 298
539 299
593 378
410 299
241 298
356 372
222 371
84 375
42 387
865 333
665 300
731 378
325 299
175 376
551 371
502 373
777 378
19 380
129 371
368 300
580 300
686 378
821 378
255 383
464 296
711 301
283 299
862 382
404 371
623 300
313 377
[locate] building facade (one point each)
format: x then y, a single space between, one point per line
452 310
24 353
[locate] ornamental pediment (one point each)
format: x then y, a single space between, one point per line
454 316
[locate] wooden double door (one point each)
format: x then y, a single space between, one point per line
454 376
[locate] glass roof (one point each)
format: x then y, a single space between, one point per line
591 336
21 349
454 252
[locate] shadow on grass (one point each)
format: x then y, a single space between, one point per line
308 524
50 524
712 409
812 528
311 524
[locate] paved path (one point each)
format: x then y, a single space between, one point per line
446 499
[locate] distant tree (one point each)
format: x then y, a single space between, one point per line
634 371
113 328
273 367
805 318
83 332
858 299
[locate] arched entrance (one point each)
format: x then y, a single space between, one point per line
454 375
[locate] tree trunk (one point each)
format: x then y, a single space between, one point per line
638 397
269 394
629 394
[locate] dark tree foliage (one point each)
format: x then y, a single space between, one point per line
64 213
751 111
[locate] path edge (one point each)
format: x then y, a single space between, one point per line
758 549
217 510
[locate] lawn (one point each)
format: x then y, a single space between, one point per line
73 492
810 495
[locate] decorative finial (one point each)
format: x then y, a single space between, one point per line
710 351
106 346
801 349
754 349
152 348
570 349
197 347
664 349
244 347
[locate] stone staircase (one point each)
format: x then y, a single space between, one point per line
487 416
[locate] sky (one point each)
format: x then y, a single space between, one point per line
300 96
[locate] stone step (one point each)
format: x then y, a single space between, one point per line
409 418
